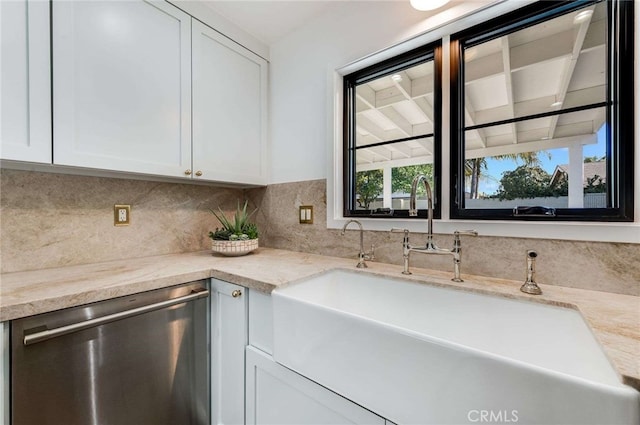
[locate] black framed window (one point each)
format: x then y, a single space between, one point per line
542 112
392 120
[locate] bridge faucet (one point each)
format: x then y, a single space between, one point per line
362 255
430 246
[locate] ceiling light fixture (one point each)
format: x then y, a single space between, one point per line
396 77
428 4
582 16
556 104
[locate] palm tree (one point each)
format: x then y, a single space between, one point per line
473 167
473 170
530 159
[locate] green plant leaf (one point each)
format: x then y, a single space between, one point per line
237 227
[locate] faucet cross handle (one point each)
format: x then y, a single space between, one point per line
457 252
465 232
371 255
405 240
456 237
398 230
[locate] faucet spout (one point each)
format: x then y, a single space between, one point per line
344 228
362 255
413 211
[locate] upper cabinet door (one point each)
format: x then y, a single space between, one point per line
229 110
122 86
25 119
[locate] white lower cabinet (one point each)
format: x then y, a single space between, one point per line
277 395
228 342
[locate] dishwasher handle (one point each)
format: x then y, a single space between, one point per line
40 336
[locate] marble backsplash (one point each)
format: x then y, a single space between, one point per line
610 267
50 220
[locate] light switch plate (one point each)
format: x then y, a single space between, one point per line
121 215
306 214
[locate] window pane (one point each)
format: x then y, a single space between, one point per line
401 179
392 123
568 171
395 106
555 130
369 187
402 161
370 194
410 152
557 64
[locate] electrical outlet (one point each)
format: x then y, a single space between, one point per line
121 215
306 214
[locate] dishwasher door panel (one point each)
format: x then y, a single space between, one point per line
150 368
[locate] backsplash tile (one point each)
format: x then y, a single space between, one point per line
601 266
51 220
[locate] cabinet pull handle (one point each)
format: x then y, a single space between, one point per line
236 293
198 173
187 172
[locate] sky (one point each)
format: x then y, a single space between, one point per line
495 167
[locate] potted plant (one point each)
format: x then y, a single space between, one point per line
238 236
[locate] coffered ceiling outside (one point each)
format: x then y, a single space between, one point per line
554 65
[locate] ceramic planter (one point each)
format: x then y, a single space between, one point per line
234 248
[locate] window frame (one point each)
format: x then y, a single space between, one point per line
620 109
377 70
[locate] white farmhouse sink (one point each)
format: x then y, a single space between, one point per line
418 354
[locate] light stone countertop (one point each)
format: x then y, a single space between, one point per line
613 318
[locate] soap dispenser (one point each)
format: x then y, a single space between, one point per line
530 286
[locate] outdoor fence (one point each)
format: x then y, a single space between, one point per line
591 200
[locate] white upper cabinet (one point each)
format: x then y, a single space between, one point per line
229 110
25 118
122 86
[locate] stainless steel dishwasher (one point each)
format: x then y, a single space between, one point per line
140 359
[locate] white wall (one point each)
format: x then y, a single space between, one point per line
299 65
